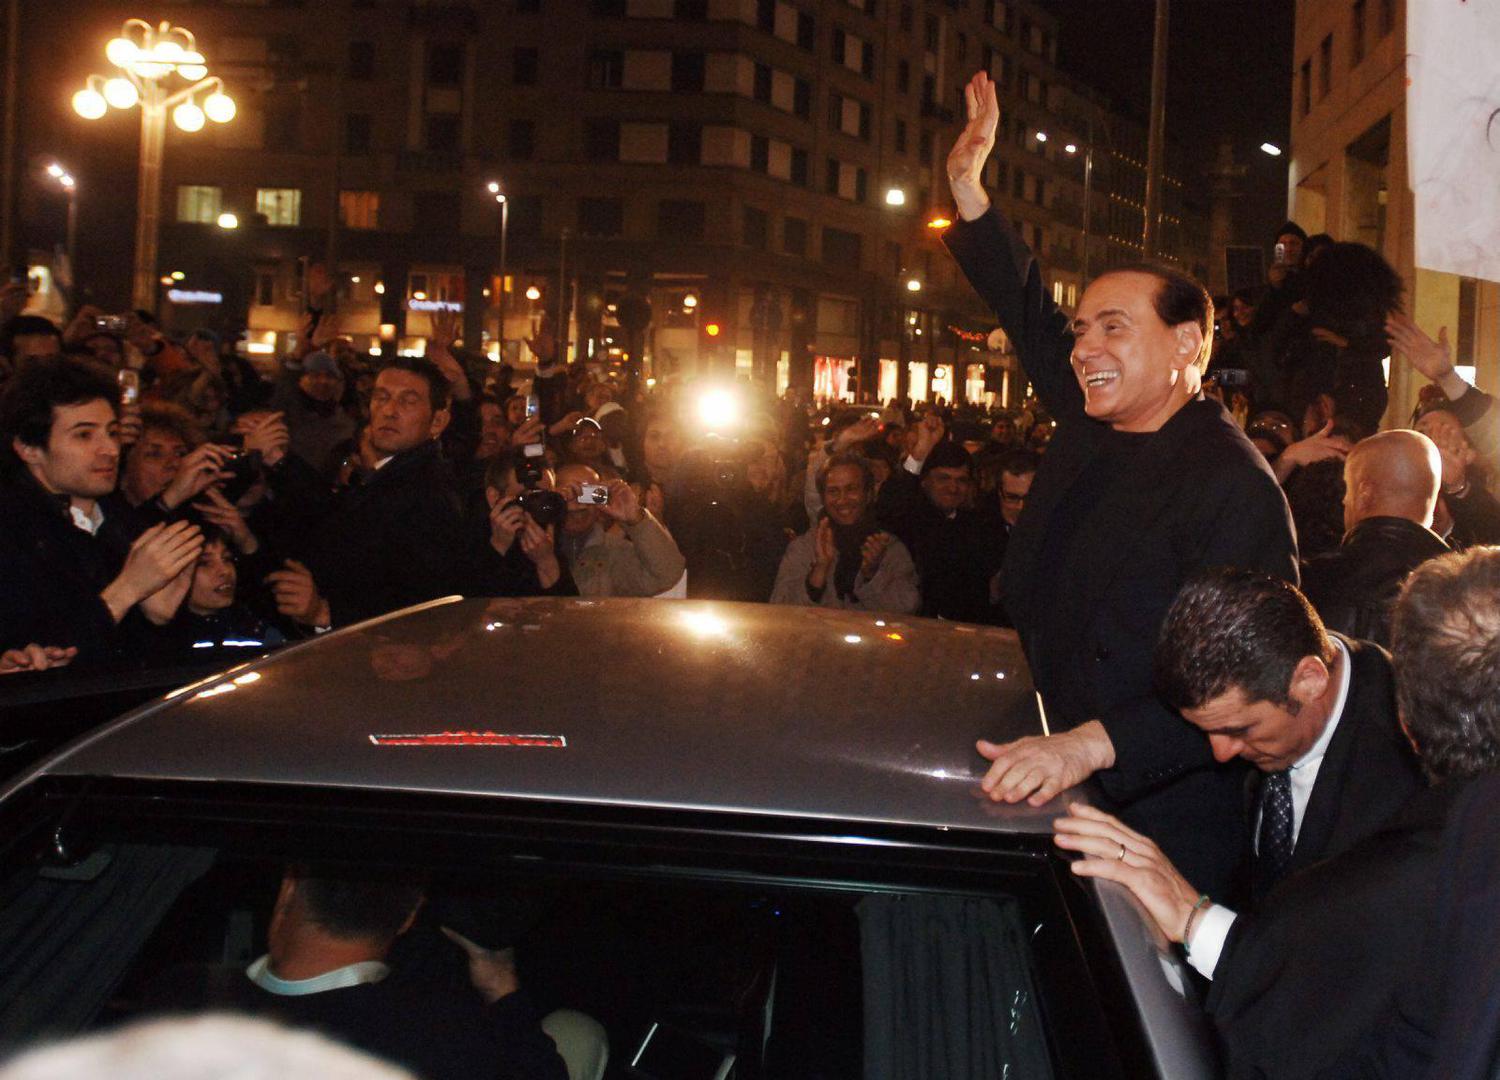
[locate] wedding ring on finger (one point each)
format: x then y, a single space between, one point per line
1121 857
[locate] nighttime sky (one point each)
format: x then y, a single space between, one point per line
1229 72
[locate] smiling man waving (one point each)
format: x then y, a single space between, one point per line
1145 483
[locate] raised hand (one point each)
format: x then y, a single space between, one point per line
158 555
539 545
862 430
492 971
506 520
530 431
1434 359
161 606
200 470
217 510
966 159
825 554
267 433
36 658
872 553
623 504
297 595
930 432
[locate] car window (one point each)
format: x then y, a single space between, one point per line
687 950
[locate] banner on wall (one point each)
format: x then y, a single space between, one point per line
1453 134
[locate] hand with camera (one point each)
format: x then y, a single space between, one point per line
872 553
266 432
132 427
200 470
529 432
565 425
297 595
622 505
83 326
507 519
539 545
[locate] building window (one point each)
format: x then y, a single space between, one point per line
806 37
443 132
601 217
930 33
760 154
361 60
524 65
199 204
691 10
1304 88
801 175
606 69
1387 15
831 177
526 215
437 212
265 288
841 249
906 18
926 146
1356 33
761 88
680 219
900 136
684 144
522 143
609 9
445 64
687 72
802 98
358 133
601 140
903 76
756 229
359 209
794 236
1325 67
281 206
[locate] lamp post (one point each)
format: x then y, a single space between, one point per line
147 60
504 305
69 185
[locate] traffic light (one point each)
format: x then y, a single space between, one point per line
712 335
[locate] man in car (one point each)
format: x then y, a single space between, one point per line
72 565
1245 659
389 541
1306 978
327 967
613 547
1144 482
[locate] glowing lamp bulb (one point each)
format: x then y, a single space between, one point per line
121 93
718 409
712 329
219 107
55 171
533 293
90 104
228 221
121 52
188 117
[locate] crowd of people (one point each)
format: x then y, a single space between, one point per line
1207 548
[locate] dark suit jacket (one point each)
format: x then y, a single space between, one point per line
1303 979
956 557
1354 588
1201 496
391 542
1368 771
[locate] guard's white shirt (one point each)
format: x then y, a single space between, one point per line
1213 925
89 522
366 971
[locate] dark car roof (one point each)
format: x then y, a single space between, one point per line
672 704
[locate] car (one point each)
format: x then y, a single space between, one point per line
749 840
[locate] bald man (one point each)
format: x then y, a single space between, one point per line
1391 483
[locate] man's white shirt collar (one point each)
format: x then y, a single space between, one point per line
90 522
366 971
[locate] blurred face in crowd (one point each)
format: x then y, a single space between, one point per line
1241 312
1128 361
763 469
152 464
844 494
26 347
515 411
597 395
105 349
82 455
494 433
1004 431
1013 492
203 350
1293 244
659 446
581 516
1269 736
1443 428
321 386
401 412
948 487
586 442
214 579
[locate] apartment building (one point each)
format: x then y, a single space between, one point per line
1348 174
764 174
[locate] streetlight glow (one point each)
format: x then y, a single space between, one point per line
188 117
67 181
1041 136
913 285
220 107
690 301
90 104
895 197
939 223
228 221
1271 148
494 186
121 93
177 275
533 293
55 171
1071 148
121 52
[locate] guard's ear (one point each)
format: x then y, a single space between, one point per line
439 423
1309 679
31 455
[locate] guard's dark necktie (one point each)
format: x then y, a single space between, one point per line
1273 849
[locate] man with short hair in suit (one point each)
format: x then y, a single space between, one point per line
1245 659
1303 985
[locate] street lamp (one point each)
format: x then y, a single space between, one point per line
69 185
147 58
494 189
895 197
1270 148
229 221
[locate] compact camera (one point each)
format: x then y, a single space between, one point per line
542 506
244 466
593 495
111 324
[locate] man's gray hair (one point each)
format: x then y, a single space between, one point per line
211 1047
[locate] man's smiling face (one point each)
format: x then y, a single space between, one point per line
1126 358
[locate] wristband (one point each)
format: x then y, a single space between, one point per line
1187 930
